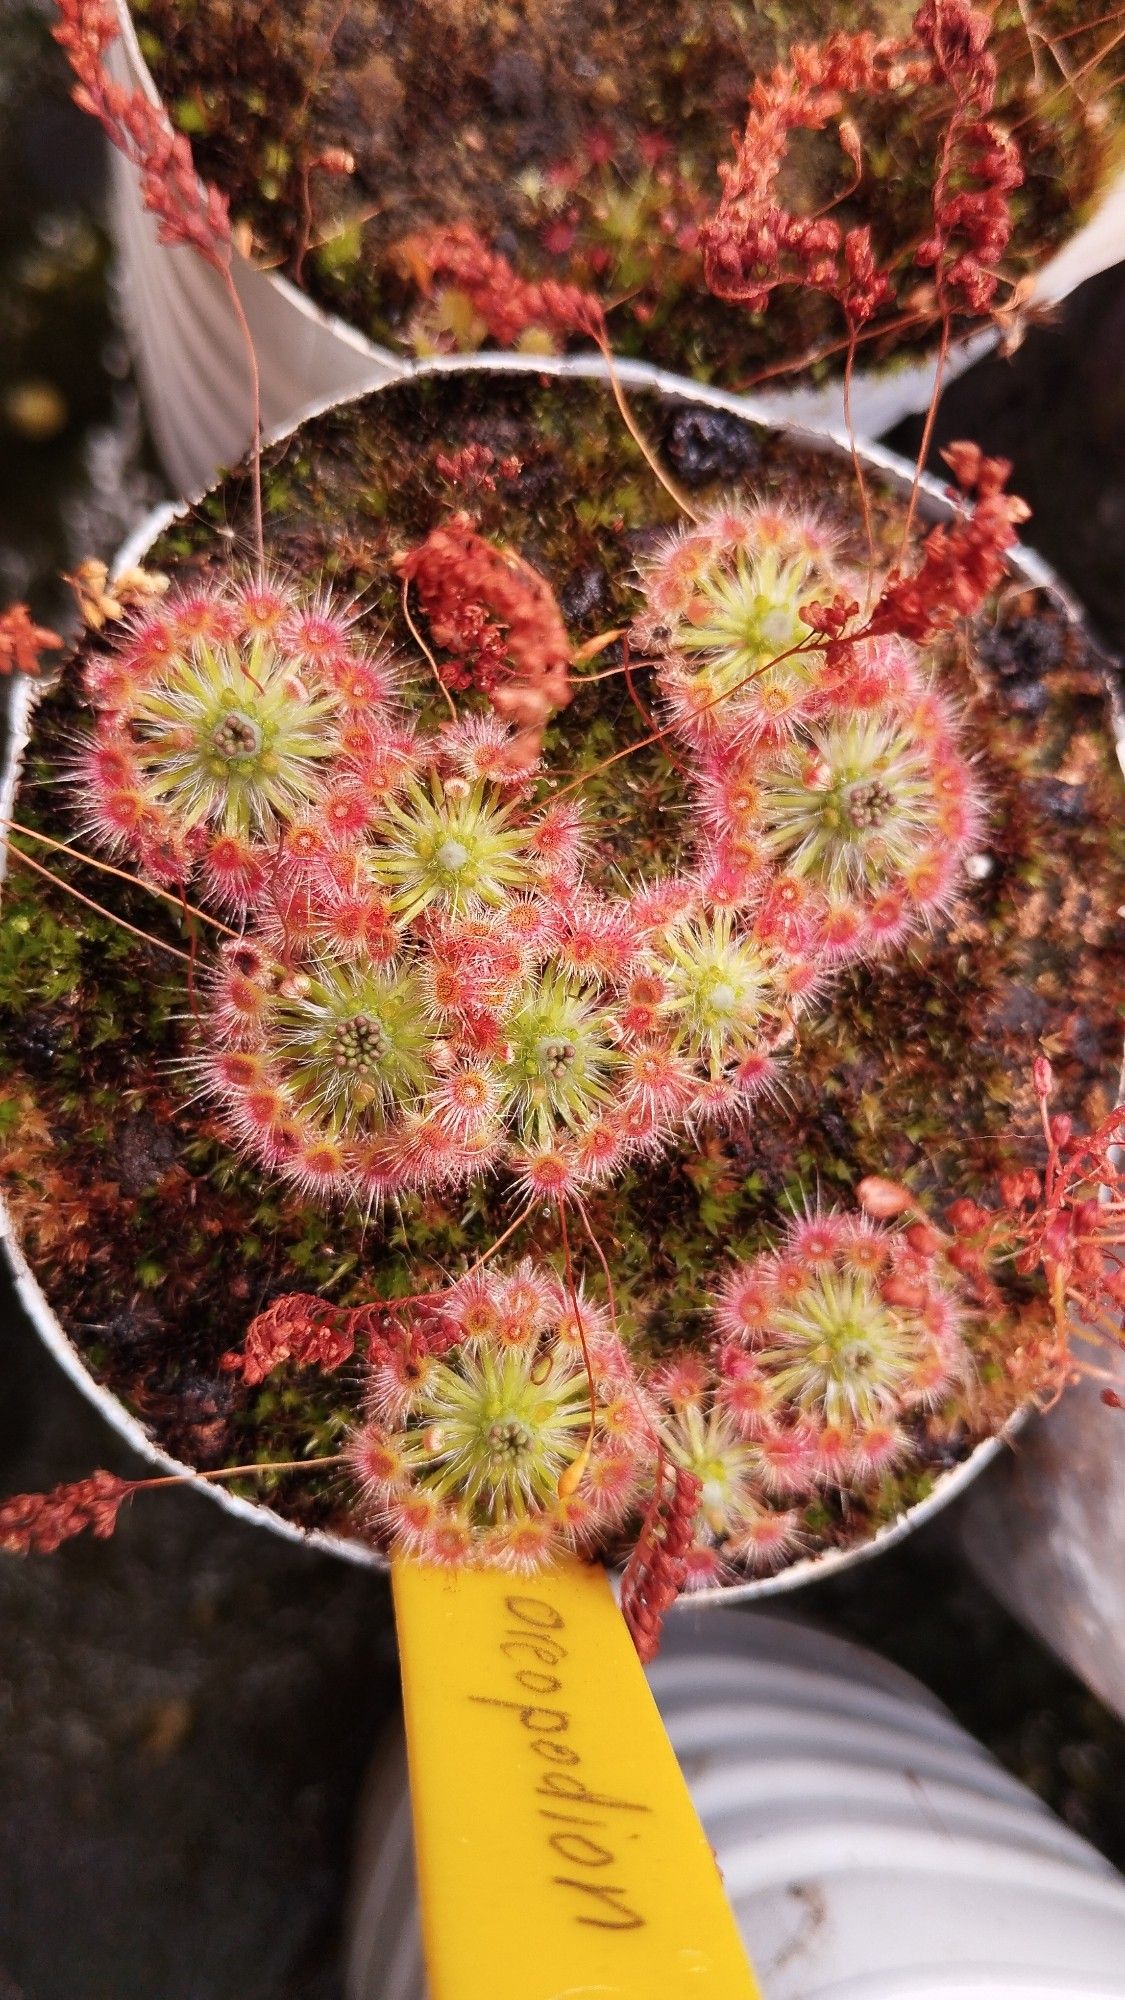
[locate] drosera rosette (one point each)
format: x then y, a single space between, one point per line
219 714
725 618
448 845
852 1328
517 1436
737 1524
728 994
559 1055
822 1353
869 812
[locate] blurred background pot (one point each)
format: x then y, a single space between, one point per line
870 1848
193 372
1047 1530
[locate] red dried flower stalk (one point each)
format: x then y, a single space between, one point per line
22 641
962 561
188 210
308 1331
979 165
297 1327
753 243
498 619
36 1523
507 304
656 1571
1066 1222
475 468
1069 1222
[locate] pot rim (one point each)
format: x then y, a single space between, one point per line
936 503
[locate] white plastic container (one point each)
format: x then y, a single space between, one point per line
1046 1531
934 504
193 370
871 1849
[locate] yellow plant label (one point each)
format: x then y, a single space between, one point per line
559 1855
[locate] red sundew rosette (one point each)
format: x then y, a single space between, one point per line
932 798
736 660
743 1517
521 1435
152 778
757 1420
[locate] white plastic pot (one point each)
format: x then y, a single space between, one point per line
193 370
934 504
1046 1531
871 1849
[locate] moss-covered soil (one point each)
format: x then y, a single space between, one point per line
156 1245
581 138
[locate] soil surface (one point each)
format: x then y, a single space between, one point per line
157 1245
581 139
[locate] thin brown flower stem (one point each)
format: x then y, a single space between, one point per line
256 403
669 729
927 436
356 220
827 349
316 70
122 874
664 478
842 194
17 854
1050 1174
1087 27
193 951
571 1476
301 251
603 1261
500 1240
1069 82
648 719
606 674
857 468
424 649
420 1298
242 1471
614 1320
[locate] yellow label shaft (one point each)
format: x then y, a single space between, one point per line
559 1854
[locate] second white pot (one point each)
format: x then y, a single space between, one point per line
195 380
871 1849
